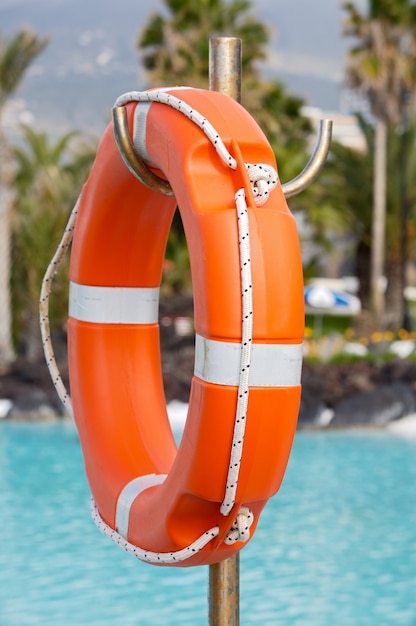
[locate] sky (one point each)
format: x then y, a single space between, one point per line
92 52
305 34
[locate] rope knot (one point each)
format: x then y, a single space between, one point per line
240 530
263 179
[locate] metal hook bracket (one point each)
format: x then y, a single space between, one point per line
130 158
315 163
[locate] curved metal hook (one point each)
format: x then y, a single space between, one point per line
136 166
315 163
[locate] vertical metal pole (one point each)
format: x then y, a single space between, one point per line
224 592
224 577
225 66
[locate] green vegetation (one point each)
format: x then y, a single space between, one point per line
327 324
16 55
48 179
40 179
380 67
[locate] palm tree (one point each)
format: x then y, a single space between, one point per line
176 47
351 170
16 54
338 206
381 65
48 178
175 51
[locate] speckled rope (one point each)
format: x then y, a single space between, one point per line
45 292
263 178
146 555
161 96
246 343
240 530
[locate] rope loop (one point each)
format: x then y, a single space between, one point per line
240 530
263 179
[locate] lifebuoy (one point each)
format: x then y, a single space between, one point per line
192 505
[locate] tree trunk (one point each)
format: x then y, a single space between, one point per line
362 271
32 339
6 199
379 223
404 211
394 310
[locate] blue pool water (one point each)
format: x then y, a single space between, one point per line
336 546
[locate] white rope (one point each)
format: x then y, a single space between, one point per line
45 292
147 555
263 178
240 530
163 97
246 342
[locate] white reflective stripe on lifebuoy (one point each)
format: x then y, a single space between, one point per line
128 495
139 129
272 364
114 305
140 124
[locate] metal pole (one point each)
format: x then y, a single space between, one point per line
224 577
224 592
225 66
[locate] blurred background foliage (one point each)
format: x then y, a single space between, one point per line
40 178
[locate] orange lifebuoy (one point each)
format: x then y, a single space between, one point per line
190 505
